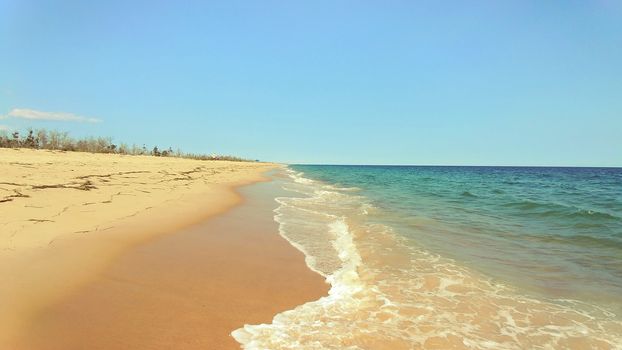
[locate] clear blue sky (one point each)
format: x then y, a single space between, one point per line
393 82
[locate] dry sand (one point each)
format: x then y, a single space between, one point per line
64 217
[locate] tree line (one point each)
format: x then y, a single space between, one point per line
61 141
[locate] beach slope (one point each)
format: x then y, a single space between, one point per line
64 216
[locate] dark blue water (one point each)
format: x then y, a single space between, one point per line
552 231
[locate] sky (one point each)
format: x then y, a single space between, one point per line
339 82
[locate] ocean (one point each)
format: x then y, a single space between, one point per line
435 257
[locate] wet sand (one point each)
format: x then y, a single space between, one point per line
186 290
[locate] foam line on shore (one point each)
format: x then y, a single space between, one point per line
389 293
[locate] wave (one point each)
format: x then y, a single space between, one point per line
601 242
592 214
529 205
559 210
338 265
388 293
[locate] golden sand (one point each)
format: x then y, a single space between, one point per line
186 290
64 217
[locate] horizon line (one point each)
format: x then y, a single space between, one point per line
470 165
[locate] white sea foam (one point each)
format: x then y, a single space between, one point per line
388 293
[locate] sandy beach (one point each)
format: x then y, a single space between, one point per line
310 175
75 224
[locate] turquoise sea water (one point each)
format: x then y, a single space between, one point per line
556 231
425 257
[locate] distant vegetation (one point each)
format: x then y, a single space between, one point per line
57 140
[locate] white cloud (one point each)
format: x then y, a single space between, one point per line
31 114
4 127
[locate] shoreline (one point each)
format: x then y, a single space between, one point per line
189 289
58 236
389 291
